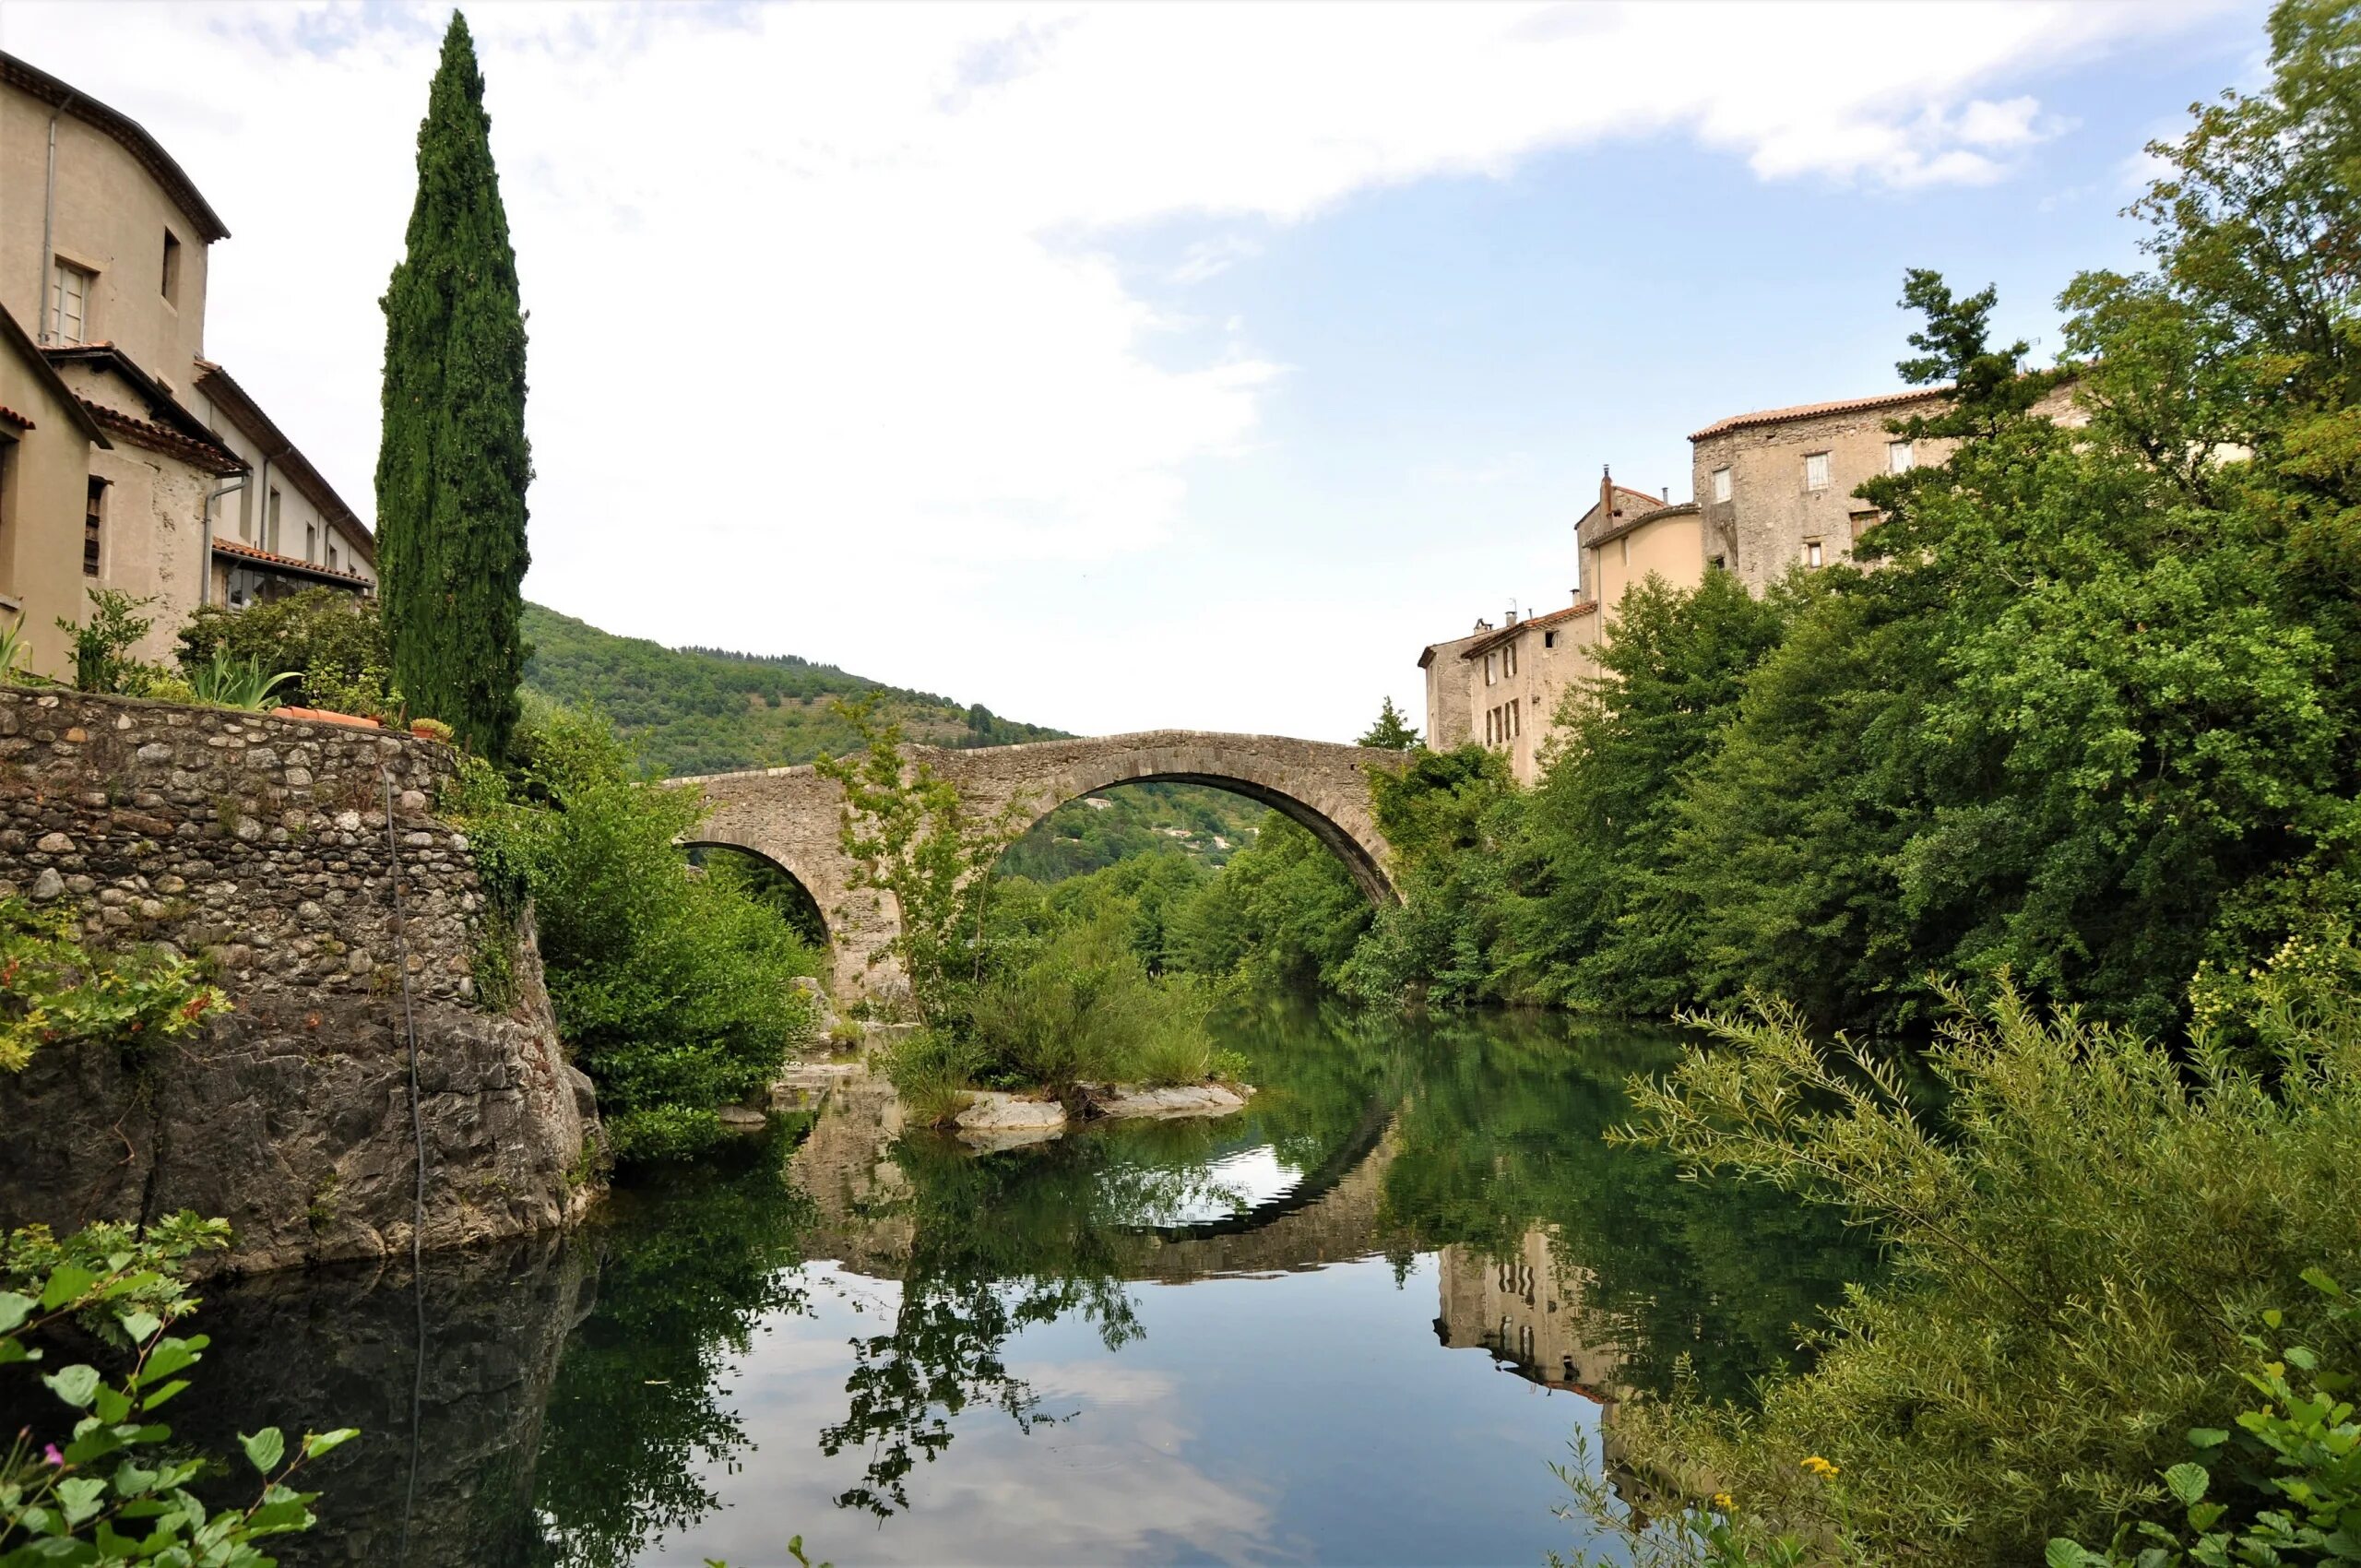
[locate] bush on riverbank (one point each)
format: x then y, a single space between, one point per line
2073 1262
1014 985
674 990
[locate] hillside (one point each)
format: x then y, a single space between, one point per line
693 710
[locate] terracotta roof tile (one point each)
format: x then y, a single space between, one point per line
1810 410
210 456
13 417
1494 639
292 563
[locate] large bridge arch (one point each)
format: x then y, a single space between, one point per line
792 815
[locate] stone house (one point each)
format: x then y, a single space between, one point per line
120 443
1774 488
1502 685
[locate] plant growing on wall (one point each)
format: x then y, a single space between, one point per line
55 992
453 462
332 643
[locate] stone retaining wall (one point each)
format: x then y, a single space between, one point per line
262 846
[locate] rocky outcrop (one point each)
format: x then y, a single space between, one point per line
266 847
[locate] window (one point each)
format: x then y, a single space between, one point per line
311 541
270 524
7 451
94 517
1491 670
1548 639
1812 552
1721 484
70 288
331 555
1508 660
1900 457
171 267
1718 563
1815 471
1515 727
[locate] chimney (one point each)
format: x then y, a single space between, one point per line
1667 494
1511 619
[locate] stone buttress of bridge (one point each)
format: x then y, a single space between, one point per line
793 817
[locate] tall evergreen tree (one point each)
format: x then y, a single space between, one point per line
453 462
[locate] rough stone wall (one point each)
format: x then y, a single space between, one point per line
261 846
792 815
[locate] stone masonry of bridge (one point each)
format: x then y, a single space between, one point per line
792 816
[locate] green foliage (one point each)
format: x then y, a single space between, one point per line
674 991
53 991
453 463
703 710
1284 912
115 1489
1081 1008
12 649
1392 733
1597 918
909 834
2050 1330
1194 822
331 642
103 645
2283 1489
239 683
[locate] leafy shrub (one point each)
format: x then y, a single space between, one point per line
331 642
1083 1009
102 646
675 993
2283 1487
2065 1262
116 1489
55 991
930 1071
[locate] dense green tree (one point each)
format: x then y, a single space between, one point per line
452 461
1595 922
1392 733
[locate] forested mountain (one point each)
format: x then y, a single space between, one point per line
693 711
703 710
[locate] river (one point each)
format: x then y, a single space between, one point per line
1356 1322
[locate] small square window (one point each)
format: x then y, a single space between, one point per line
1721 484
1548 639
1816 471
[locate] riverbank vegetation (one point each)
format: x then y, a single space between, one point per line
1013 986
674 988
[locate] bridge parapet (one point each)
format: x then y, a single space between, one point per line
791 816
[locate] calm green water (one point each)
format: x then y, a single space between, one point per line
1355 1323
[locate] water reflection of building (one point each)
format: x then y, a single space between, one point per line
1527 1314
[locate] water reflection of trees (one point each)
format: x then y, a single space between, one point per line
1499 1133
688 1265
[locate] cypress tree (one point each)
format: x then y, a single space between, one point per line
452 461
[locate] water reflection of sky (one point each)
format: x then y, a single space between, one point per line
1295 1418
1223 1187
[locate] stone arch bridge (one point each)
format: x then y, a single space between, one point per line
791 816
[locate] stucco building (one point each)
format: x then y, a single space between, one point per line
1773 491
129 461
1502 685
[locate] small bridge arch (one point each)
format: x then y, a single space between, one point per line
792 815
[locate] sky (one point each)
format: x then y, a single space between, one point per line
1141 366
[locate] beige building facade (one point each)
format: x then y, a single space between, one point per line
1773 491
1502 686
158 477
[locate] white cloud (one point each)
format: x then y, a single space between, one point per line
826 332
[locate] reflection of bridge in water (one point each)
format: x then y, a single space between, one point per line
1525 1309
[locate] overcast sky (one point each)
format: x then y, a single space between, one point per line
1137 367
